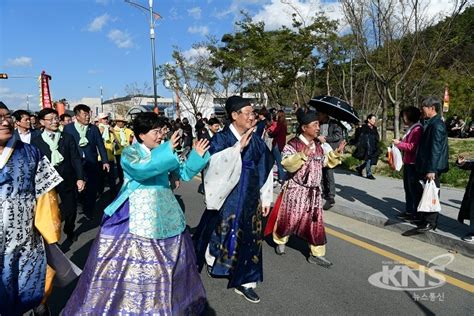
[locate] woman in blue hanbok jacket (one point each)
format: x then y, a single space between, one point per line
142 261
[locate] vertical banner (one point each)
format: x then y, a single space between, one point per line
446 99
45 100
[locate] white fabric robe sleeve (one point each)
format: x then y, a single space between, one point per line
266 192
222 175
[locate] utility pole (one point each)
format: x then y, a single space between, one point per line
101 100
153 16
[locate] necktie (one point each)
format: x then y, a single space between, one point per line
51 135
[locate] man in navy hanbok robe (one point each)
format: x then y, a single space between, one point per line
229 235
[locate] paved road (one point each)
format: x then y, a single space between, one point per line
293 287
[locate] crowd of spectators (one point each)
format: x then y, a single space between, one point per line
459 128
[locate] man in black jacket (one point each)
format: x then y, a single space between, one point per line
432 155
63 153
87 137
331 133
23 130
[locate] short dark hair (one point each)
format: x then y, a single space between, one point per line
146 121
18 114
3 106
45 112
412 113
213 121
432 101
63 116
81 107
263 111
371 115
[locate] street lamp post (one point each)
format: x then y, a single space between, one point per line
152 39
101 100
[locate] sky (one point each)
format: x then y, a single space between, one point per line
88 44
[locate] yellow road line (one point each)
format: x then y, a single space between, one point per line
453 281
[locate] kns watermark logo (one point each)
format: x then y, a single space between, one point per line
399 277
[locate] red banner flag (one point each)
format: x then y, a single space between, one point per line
46 101
446 100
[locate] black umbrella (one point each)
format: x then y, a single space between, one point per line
336 108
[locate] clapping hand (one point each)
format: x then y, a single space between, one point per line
265 210
201 146
461 160
80 185
246 138
340 148
396 141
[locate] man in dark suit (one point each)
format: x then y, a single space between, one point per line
88 139
23 129
432 155
330 132
62 152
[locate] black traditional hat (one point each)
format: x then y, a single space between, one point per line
235 103
305 117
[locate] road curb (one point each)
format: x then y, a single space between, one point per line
431 237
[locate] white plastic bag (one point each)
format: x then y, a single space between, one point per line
430 198
326 148
397 158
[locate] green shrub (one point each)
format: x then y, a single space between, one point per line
456 176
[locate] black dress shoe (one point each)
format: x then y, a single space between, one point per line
41 310
406 216
71 237
248 293
371 177
328 204
425 227
468 238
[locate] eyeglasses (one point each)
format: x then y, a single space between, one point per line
161 131
7 118
249 114
54 119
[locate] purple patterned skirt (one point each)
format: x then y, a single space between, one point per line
133 275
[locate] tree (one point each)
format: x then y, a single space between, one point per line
136 93
280 63
387 34
193 78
